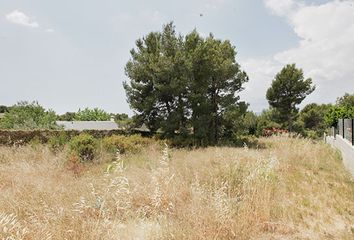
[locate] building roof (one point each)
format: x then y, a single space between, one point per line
88 125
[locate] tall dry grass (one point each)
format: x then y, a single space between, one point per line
292 189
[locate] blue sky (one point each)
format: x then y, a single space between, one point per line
71 54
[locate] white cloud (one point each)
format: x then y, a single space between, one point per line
281 7
20 18
50 30
325 51
261 72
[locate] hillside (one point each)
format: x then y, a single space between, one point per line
291 188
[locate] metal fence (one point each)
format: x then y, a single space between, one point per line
345 128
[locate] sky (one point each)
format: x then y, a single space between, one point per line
71 54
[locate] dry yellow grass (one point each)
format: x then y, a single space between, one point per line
292 189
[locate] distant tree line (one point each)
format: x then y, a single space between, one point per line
25 115
86 114
31 115
185 88
97 114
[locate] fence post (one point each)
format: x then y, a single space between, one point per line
353 131
343 128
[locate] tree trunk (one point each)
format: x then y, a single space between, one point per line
215 109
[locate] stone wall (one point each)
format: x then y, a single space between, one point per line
19 137
346 148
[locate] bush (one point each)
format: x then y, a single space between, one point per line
84 146
35 142
57 143
124 144
312 134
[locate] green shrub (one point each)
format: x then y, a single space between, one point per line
84 145
35 142
137 139
312 134
57 143
124 144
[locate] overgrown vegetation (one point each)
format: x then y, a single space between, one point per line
292 189
312 120
25 115
58 142
184 89
84 146
125 144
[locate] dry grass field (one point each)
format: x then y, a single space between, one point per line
291 189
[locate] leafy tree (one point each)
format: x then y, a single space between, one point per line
346 101
288 89
344 108
181 82
68 116
120 116
95 114
338 112
250 121
313 117
3 109
26 115
237 121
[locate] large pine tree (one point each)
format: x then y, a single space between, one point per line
288 89
181 82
